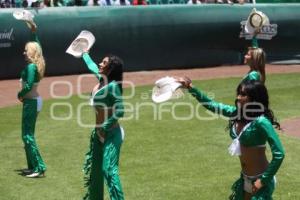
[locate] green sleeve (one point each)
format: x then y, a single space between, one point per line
253 76
29 80
115 95
213 106
34 38
277 150
91 65
254 42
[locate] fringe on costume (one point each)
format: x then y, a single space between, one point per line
88 165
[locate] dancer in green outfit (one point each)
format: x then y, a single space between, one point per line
251 127
32 102
255 59
107 137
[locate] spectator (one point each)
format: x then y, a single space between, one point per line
121 3
18 3
139 2
190 2
105 2
224 1
35 3
46 3
5 3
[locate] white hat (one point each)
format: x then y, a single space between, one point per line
255 21
166 88
24 15
83 42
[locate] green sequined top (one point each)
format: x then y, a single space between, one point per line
29 74
108 96
259 132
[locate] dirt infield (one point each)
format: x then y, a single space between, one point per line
52 87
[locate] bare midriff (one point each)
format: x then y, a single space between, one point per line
33 93
253 160
103 114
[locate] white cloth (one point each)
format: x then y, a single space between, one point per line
39 103
122 133
248 182
235 148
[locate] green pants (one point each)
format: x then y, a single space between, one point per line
29 116
265 193
102 163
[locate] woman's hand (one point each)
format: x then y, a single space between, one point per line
20 99
32 26
84 51
185 81
256 186
257 31
100 134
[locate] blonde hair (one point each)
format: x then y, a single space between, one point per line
35 56
258 61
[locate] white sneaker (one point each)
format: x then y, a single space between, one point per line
36 175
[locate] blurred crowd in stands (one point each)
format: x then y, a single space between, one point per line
58 3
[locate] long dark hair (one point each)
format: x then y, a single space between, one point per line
258 103
115 70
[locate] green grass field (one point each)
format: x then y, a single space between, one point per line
161 158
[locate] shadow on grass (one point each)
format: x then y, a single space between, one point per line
23 172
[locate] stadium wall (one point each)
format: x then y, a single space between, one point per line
147 37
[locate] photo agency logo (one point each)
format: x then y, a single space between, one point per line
64 108
6 37
133 106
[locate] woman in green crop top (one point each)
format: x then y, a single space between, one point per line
32 102
102 158
251 127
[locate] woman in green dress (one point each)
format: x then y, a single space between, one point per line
251 127
32 103
102 158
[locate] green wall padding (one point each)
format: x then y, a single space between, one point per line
147 37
